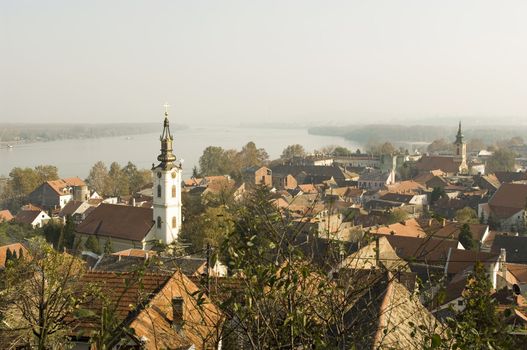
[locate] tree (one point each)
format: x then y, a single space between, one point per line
117 181
213 161
342 152
292 151
475 145
479 325
502 160
437 193
467 215
92 244
465 237
108 249
380 149
441 146
43 292
397 215
46 173
98 177
251 156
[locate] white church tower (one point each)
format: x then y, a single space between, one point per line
166 190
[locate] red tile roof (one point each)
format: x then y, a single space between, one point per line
509 199
5 215
444 163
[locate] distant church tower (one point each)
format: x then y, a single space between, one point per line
167 190
461 151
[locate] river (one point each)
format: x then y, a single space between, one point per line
76 157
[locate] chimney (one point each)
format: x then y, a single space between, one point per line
177 313
429 222
133 201
443 223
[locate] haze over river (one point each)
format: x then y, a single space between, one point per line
76 157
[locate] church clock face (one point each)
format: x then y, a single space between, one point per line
174 175
159 175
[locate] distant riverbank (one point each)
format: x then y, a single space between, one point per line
12 134
416 133
75 157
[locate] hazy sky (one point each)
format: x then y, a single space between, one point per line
261 61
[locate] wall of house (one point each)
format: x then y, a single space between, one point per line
117 243
263 176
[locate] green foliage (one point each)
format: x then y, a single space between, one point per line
502 160
441 146
92 244
118 181
292 151
465 237
380 148
437 193
42 292
22 181
479 325
108 249
342 152
217 161
12 232
397 215
467 215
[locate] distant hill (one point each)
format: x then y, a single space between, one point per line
13 132
416 133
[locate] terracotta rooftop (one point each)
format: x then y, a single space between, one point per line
509 199
408 228
445 163
5 215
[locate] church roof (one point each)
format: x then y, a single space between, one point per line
118 221
445 163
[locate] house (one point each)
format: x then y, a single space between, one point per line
126 226
408 228
35 218
506 207
451 230
514 247
306 174
510 176
154 311
406 198
5 215
78 210
258 176
57 193
372 179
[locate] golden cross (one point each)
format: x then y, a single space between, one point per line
166 105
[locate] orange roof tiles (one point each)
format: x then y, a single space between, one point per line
5 215
408 228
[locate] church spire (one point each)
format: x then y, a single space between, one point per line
167 158
459 136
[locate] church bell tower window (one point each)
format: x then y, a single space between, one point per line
159 191
173 191
159 222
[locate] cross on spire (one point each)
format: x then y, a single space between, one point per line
166 105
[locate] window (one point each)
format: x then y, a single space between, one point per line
173 191
460 302
159 191
159 222
174 222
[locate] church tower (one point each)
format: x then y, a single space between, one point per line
461 151
166 190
